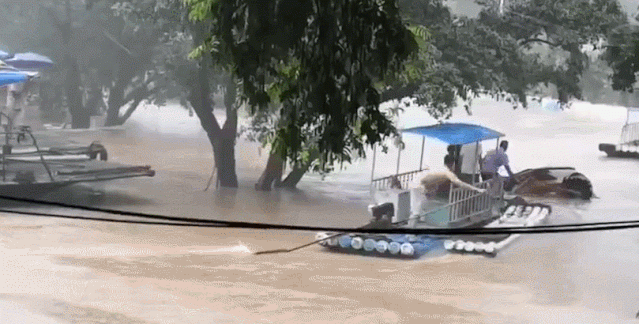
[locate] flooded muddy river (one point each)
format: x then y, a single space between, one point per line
63 271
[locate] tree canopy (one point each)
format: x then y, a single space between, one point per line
622 55
508 51
325 56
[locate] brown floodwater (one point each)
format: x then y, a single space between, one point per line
64 271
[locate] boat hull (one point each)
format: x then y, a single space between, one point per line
612 151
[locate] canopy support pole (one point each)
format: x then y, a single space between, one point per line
373 168
421 157
399 155
475 161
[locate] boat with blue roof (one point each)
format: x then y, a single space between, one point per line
400 203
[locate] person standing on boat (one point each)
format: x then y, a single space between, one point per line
470 156
494 160
454 152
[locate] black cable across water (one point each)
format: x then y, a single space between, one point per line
195 222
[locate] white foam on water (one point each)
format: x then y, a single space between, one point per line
123 251
239 249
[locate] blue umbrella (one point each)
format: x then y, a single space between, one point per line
29 61
7 78
4 55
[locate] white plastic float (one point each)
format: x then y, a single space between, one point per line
357 243
394 248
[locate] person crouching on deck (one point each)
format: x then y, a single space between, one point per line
438 181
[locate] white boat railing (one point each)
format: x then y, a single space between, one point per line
402 179
630 134
465 205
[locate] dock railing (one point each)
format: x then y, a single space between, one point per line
403 179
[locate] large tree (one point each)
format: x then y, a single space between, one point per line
66 20
623 56
98 53
562 26
510 48
264 124
326 56
136 56
505 52
196 79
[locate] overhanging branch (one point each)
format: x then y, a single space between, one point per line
539 40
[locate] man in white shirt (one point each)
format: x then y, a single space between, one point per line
494 160
470 158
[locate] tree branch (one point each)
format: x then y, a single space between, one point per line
140 94
115 41
132 107
201 103
539 40
399 93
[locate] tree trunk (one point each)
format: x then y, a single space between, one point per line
124 75
80 117
222 140
94 100
295 176
46 98
116 102
116 96
224 154
272 174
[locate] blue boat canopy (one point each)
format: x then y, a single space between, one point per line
12 77
456 133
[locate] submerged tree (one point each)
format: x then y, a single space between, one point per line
193 81
325 56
